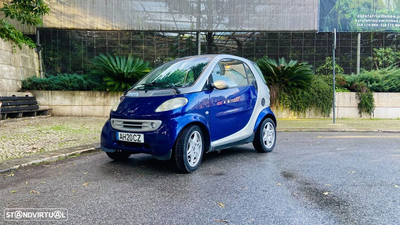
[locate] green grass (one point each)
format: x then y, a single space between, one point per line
364 124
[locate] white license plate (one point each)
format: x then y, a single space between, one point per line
130 137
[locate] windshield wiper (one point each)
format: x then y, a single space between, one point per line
153 84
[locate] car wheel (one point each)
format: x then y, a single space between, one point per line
188 149
265 138
118 155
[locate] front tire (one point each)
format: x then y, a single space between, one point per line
265 138
118 155
189 149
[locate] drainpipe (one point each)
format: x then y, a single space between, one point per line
38 50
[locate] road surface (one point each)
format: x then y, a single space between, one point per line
309 178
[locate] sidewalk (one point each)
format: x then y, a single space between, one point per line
30 141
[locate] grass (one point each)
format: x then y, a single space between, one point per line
357 124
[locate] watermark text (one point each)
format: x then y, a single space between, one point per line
35 214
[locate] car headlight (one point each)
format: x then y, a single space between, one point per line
116 104
172 104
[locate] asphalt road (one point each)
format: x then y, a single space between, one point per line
310 178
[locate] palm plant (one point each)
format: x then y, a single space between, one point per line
285 77
119 73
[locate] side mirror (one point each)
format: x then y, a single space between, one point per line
220 85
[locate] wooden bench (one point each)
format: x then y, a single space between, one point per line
17 107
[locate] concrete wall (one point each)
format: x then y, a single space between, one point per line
16 66
387 106
85 103
77 103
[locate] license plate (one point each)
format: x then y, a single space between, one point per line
130 137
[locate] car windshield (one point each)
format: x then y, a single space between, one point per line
177 73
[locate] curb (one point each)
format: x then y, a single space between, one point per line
84 149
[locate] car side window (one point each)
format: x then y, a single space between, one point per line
219 73
233 72
250 75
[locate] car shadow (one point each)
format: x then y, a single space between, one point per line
227 154
138 163
146 164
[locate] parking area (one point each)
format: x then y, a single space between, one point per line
310 178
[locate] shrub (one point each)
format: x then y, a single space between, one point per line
327 67
293 85
61 82
366 97
391 82
119 73
385 57
318 96
16 37
382 80
285 77
363 84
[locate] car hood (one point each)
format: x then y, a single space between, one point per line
139 107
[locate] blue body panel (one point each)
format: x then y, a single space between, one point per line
230 110
160 141
267 112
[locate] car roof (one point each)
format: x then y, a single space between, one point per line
216 57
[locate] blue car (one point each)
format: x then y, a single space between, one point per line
191 106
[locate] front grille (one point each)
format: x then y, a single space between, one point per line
134 145
135 125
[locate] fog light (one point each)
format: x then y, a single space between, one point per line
152 125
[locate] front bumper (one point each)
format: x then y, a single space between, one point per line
158 143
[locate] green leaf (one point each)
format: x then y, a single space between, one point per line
119 73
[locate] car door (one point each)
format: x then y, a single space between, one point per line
231 107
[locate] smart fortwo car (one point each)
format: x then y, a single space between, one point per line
191 106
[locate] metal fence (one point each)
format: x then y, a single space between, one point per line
70 51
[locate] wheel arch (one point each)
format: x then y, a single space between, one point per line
205 131
271 117
264 114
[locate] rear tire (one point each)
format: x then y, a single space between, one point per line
265 138
189 149
119 156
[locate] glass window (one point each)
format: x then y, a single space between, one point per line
232 72
259 72
178 73
249 73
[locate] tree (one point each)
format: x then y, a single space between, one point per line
25 11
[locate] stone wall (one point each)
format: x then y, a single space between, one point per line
16 65
77 103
